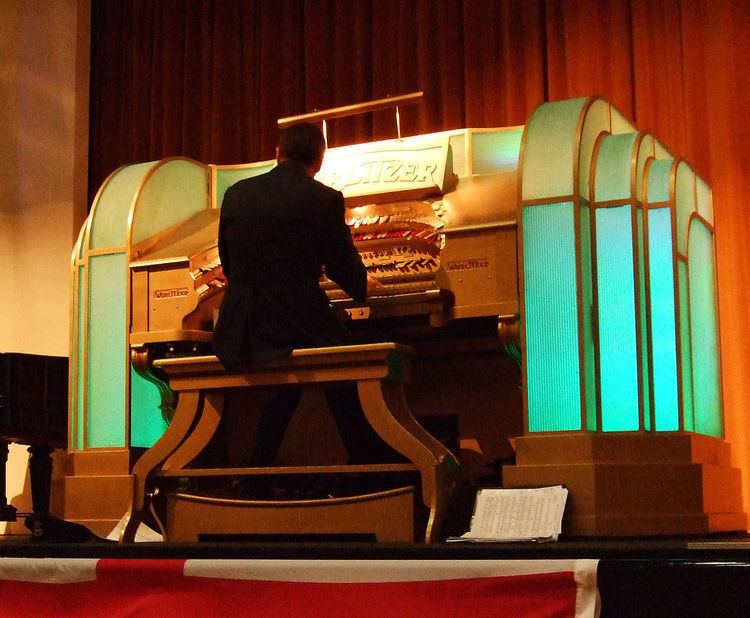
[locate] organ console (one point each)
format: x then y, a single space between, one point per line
447 256
434 219
568 221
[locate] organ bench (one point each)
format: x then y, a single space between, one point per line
379 371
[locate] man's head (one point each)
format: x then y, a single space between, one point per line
304 143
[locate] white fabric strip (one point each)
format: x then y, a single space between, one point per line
48 570
357 571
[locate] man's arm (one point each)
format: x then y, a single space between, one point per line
342 261
223 220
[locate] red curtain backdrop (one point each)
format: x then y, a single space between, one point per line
208 79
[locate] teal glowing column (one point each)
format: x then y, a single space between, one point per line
550 298
616 313
105 426
662 313
556 275
661 298
704 331
615 268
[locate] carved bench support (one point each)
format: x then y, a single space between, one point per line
379 371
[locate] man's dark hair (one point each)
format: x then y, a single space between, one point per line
302 142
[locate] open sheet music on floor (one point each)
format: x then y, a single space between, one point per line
505 515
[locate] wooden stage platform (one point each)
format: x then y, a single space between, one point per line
689 576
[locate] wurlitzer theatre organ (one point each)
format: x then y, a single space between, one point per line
484 239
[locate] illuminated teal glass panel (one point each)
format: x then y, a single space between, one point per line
495 151
658 180
550 298
587 317
549 154
684 204
598 118
704 332
688 411
225 178
107 354
704 200
175 191
663 325
643 317
618 359
146 422
80 360
645 151
109 222
613 167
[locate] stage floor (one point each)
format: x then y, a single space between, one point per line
686 576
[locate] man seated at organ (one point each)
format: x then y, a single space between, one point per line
278 234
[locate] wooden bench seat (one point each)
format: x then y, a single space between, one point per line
379 371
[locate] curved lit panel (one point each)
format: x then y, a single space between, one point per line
109 222
173 192
613 171
550 135
227 176
704 335
684 200
657 189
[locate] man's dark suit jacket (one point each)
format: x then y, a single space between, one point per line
277 233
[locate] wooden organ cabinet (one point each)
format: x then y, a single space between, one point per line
524 266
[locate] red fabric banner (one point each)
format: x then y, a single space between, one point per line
179 588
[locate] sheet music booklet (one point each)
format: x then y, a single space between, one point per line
505 515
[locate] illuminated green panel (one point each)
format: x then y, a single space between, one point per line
551 131
704 204
645 151
495 151
458 153
684 204
549 264
587 293
613 167
658 180
663 326
688 414
616 318
174 192
106 362
110 213
79 359
146 422
597 119
225 178
646 385
704 332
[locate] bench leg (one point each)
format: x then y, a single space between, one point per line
213 404
385 408
188 407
